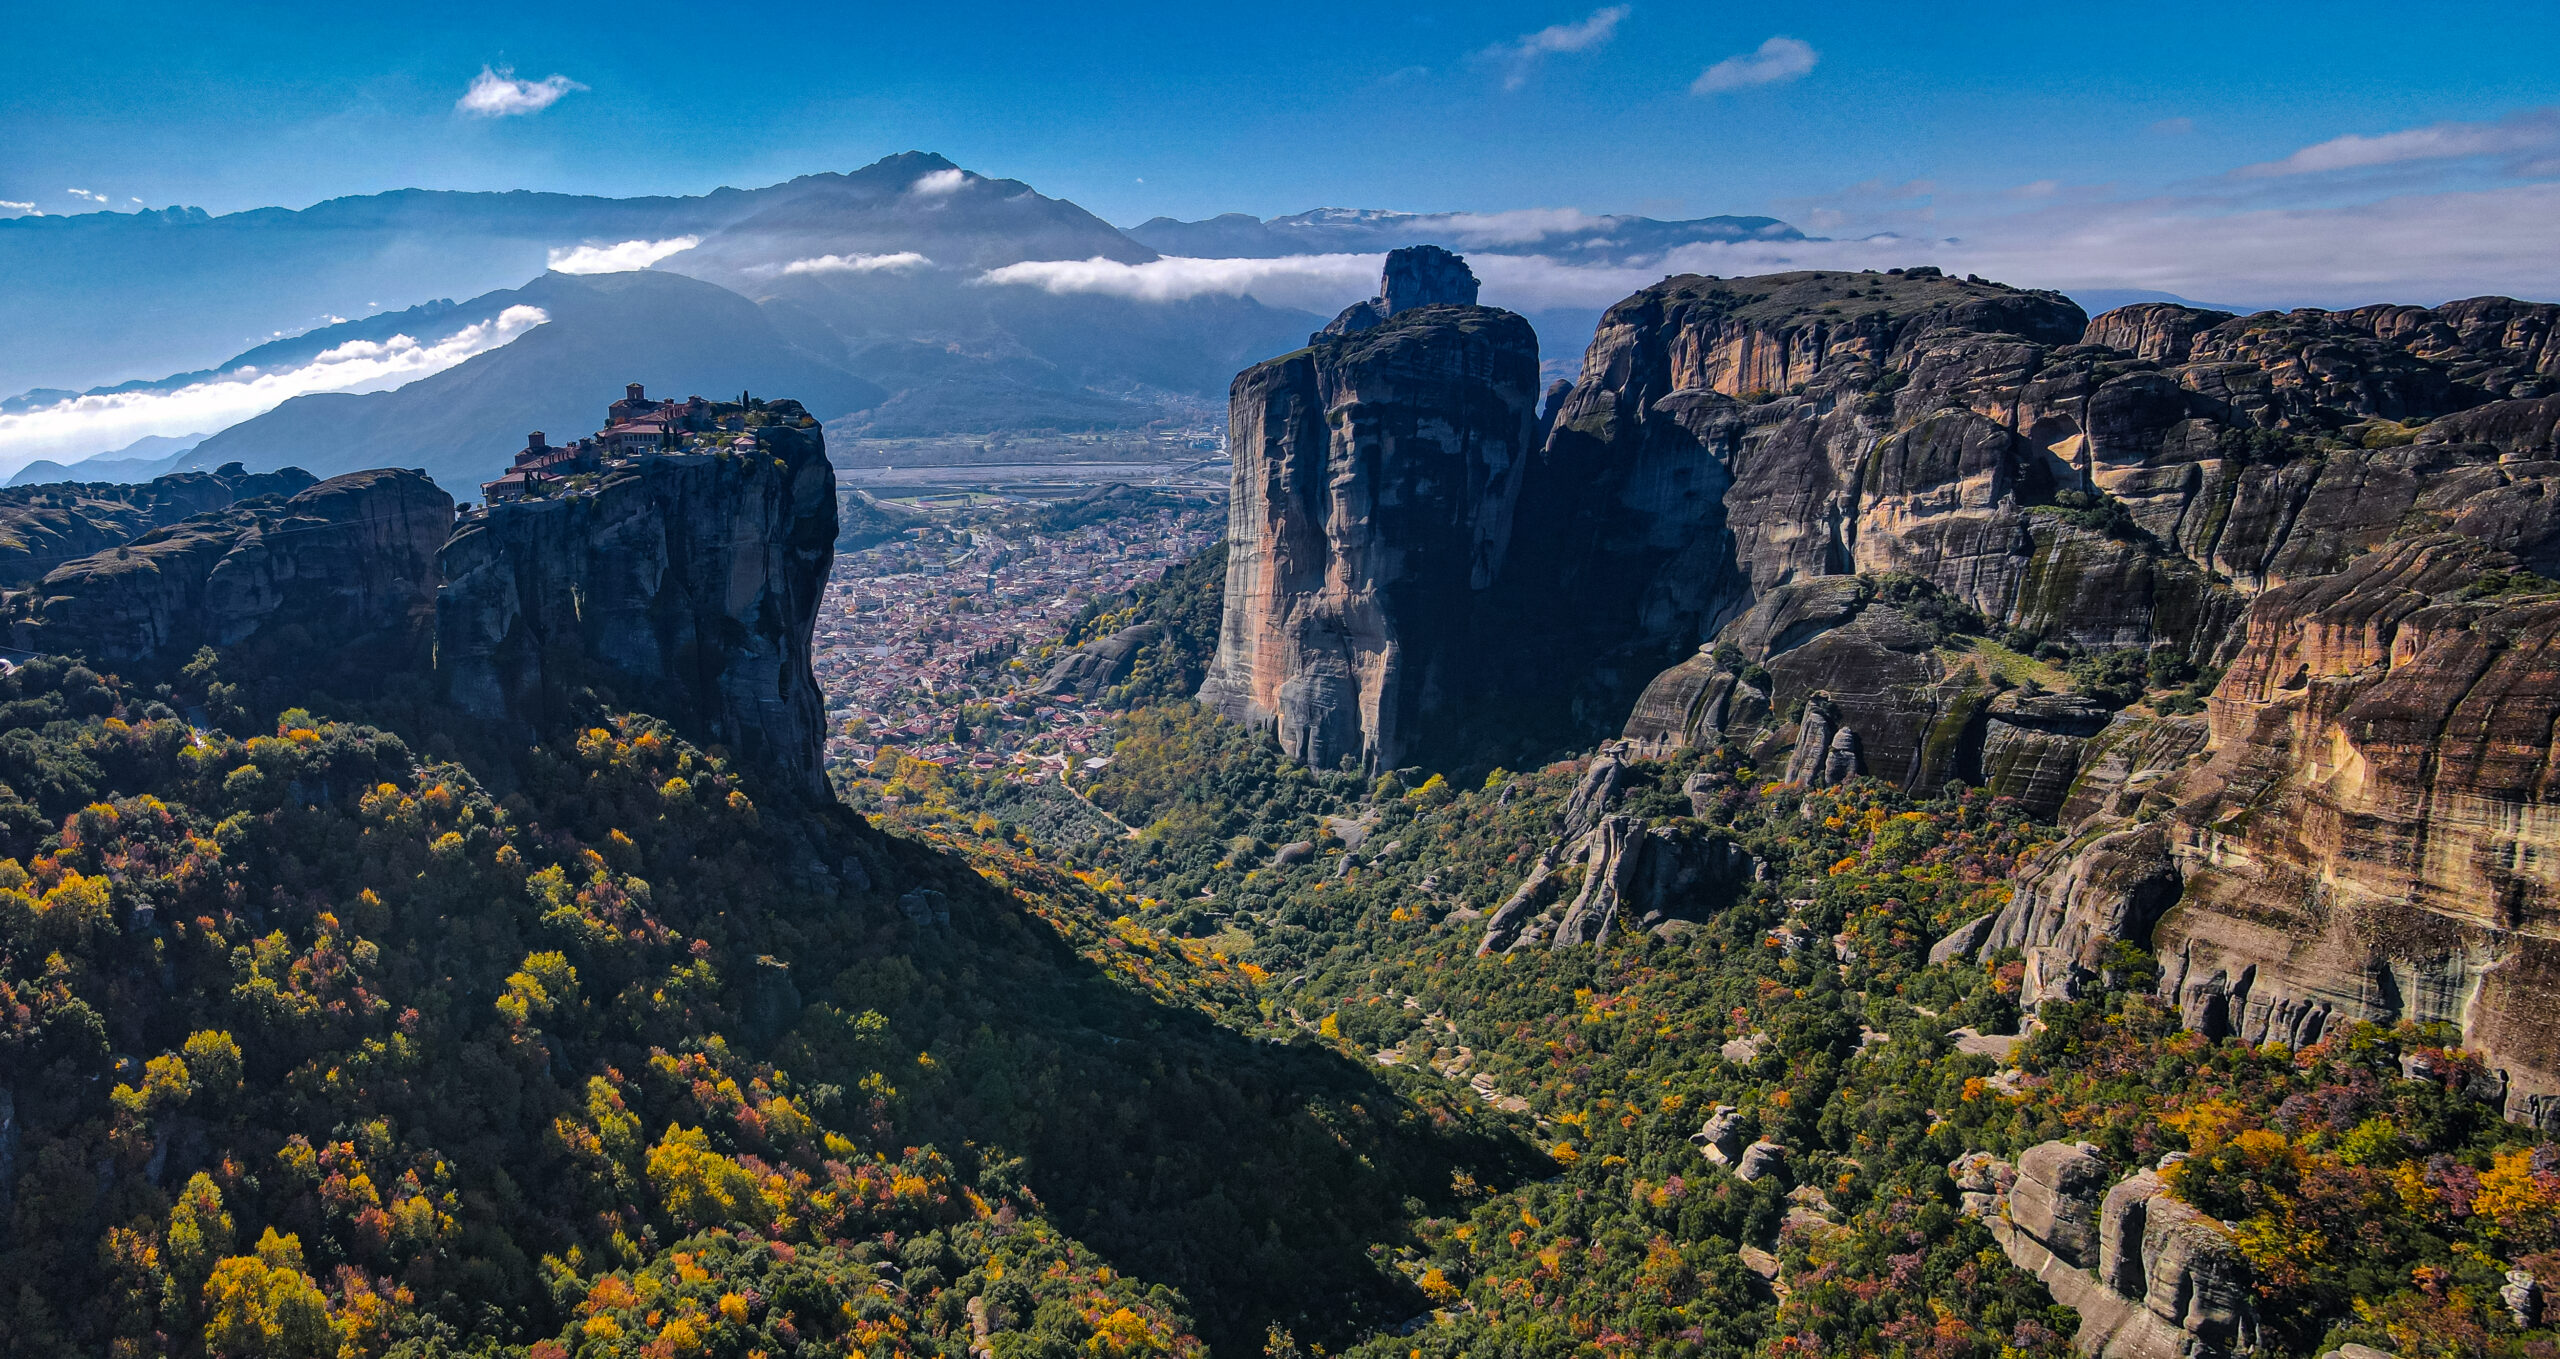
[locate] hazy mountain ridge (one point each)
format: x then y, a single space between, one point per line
1558 233
865 289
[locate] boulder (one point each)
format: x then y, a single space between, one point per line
2056 1199
1721 1137
1960 942
2522 1295
1760 1160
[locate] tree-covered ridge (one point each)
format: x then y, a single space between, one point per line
314 1045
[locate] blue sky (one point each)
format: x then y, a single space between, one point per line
2045 122
1264 109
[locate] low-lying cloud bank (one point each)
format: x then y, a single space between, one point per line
1315 282
100 422
2416 247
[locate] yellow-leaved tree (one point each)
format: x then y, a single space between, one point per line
264 1305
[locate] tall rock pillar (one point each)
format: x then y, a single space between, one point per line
1375 475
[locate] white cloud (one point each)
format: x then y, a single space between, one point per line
93 424
1522 55
1521 226
1316 282
621 258
11 208
2527 133
2423 248
1779 60
936 183
84 193
897 262
496 93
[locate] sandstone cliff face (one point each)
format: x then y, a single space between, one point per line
2151 1277
2370 834
687 583
336 583
1375 478
2375 836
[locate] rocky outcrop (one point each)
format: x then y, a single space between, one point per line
334 586
2056 1196
2370 834
2033 744
1629 874
1719 1139
2072 900
2513 428
2124 482
2163 332
1593 793
686 583
46 525
1415 276
1087 670
1375 478
2151 1277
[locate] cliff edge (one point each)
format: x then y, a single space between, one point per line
687 582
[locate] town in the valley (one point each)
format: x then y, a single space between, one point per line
934 640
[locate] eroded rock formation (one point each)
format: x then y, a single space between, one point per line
48 524
2151 1277
687 583
1758 462
335 584
1375 478
2369 834
1087 670
1414 276
1621 872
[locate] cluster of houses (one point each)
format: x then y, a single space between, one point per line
635 427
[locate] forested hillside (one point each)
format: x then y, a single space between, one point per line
317 1044
2375 1195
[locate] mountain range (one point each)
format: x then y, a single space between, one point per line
867 293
